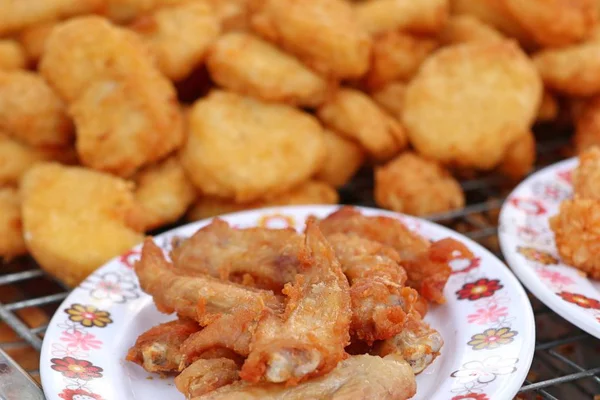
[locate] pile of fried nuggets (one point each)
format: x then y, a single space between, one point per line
333 313
284 101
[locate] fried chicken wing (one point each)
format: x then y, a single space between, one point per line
308 340
204 376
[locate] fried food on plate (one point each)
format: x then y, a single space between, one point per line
233 14
469 102
123 11
577 233
422 17
75 219
158 349
586 177
356 116
179 36
343 160
467 28
248 65
33 39
519 158
397 56
324 34
31 112
414 185
391 98
358 377
12 243
587 124
12 55
246 149
206 375
308 340
164 192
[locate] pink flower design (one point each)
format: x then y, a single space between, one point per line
566 175
483 316
78 339
528 206
555 277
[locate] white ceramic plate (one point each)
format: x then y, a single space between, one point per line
528 245
487 325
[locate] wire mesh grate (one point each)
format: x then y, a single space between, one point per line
566 363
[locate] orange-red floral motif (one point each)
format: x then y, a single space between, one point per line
580 300
536 255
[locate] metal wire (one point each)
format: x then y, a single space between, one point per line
565 367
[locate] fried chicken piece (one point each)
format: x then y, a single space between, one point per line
549 108
158 349
586 178
205 376
343 160
391 98
361 377
308 340
466 28
12 243
123 11
12 55
519 158
33 39
587 123
418 344
198 297
233 14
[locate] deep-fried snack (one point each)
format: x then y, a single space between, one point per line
33 39
164 193
577 233
397 56
31 112
358 117
75 219
325 34
205 376
245 149
200 297
12 55
233 14
586 178
344 158
391 98
309 192
246 64
308 340
549 108
158 349
470 101
519 158
414 185
467 28
587 124
123 11
555 22
125 111
360 377
179 36
12 243
422 17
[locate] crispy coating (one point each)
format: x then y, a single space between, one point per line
245 149
397 56
391 98
205 376
123 11
469 102
519 158
549 108
555 22
414 185
158 349
586 178
75 219
31 112
325 34
422 17
17 15
233 14
467 28
344 158
179 36
248 65
12 55
587 124
577 233
360 377
33 39
356 116
309 192
12 243
164 192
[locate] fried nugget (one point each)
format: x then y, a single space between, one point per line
164 192
248 65
587 124
344 158
125 111
422 17
12 243
469 102
577 233
33 39
397 56
354 115
586 178
245 149
233 14
31 112
519 158
391 98
324 34
179 36
12 55
123 11
549 108
466 28
414 185
310 192
75 219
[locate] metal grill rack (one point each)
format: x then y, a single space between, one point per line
566 363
